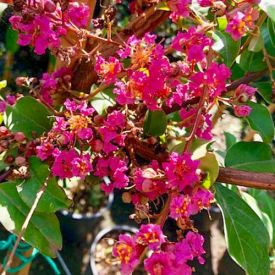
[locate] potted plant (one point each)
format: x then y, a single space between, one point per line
87 210
101 259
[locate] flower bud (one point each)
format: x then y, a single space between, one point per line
242 111
49 6
3 131
96 145
9 159
20 161
19 137
21 81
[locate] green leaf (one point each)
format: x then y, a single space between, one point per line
267 205
271 30
155 123
256 44
11 40
28 116
222 23
227 47
252 62
266 166
43 230
260 120
250 200
265 90
229 140
103 100
246 236
209 164
246 152
269 7
270 48
53 199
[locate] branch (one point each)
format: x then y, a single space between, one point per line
250 179
25 225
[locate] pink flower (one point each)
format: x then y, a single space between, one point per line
11 99
240 22
3 106
85 133
78 13
244 92
179 8
193 43
126 251
189 248
214 79
242 110
44 150
124 95
108 70
51 83
201 199
181 170
160 263
81 166
180 207
110 132
115 169
150 235
62 166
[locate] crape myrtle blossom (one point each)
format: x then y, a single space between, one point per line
43 23
240 22
167 258
114 168
180 171
183 206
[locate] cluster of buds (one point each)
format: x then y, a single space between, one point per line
242 95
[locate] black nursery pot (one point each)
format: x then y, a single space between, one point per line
75 226
118 228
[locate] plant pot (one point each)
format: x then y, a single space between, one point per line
105 232
75 226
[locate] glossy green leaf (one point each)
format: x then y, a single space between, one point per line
271 30
43 230
53 199
269 7
256 44
28 116
246 236
267 205
227 47
209 164
253 204
155 123
260 120
270 48
11 40
265 90
247 152
265 166
229 140
252 62
103 100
